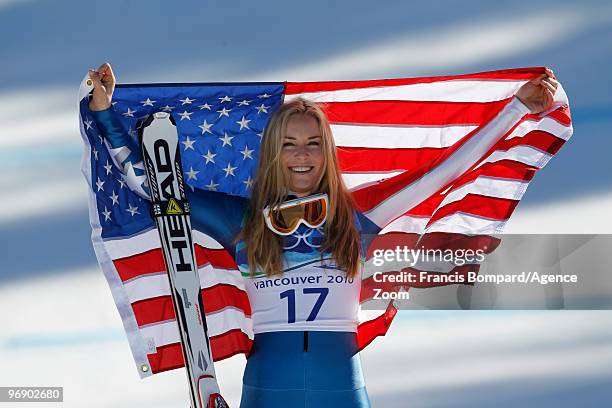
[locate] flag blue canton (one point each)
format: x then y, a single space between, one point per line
220 128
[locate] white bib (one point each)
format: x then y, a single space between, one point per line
310 294
306 298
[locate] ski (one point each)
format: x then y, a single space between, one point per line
170 210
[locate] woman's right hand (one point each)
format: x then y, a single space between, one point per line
539 93
104 86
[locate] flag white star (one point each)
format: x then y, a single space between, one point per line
260 135
115 198
188 143
226 139
107 214
132 210
206 127
262 108
212 186
147 102
129 113
121 182
244 102
100 184
132 132
108 167
224 112
186 101
244 123
209 157
225 99
186 115
101 139
95 153
229 170
88 123
205 106
248 182
167 108
246 153
264 96
192 174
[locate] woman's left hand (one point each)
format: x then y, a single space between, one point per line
538 94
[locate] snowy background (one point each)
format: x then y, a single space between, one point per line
59 324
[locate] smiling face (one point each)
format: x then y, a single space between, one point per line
302 154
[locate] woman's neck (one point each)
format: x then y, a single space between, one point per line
299 195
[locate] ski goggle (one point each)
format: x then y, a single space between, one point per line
285 218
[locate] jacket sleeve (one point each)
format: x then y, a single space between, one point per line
218 214
124 150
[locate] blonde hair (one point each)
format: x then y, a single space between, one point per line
264 249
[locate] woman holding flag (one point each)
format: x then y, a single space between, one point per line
299 243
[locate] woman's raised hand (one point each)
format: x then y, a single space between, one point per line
104 86
538 94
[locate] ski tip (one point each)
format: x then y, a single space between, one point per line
216 401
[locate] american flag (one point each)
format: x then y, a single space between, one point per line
389 134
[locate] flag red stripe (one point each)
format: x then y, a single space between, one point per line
159 309
153 310
222 295
368 331
219 258
476 204
506 74
166 358
536 138
141 264
223 346
503 169
369 197
415 113
229 343
426 208
153 262
561 114
365 160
